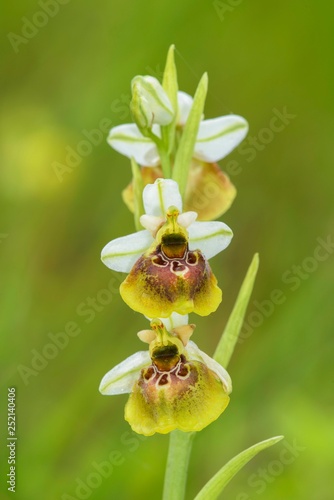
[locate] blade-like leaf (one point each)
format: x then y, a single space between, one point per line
231 332
217 483
170 85
137 193
187 143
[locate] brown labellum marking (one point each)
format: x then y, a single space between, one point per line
164 379
192 258
183 371
159 261
174 246
165 358
149 373
178 267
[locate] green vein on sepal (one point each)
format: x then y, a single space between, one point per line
137 193
161 198
222 232
125 254
231 332
217 483
189 135
226 131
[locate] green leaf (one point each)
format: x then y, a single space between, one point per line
138 187
231 332
170 86
189 135
218 482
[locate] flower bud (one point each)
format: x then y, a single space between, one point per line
150 103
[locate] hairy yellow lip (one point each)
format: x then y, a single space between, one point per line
187 397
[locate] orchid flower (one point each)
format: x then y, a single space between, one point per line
167 262
174 385
209 190
216 137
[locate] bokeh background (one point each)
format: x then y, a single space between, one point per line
67 73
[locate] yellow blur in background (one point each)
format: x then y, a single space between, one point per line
67 67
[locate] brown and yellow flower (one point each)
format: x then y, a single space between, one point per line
168 262
174 385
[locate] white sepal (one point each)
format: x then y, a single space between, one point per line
209 237
120 379
122 253
158 197
196 354
185 101
217 137
129 141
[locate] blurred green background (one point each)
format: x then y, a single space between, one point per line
71 75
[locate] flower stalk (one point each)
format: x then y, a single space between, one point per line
179 451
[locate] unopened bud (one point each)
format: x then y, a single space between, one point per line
150 103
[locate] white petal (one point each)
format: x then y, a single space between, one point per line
196 354
121 254
174 321
147 336
187 218
185 101
216 138
158 197
120 379
127 140
210 237
184 333
151 222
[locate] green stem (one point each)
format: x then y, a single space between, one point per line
165 162
180 444
137 194
162 149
